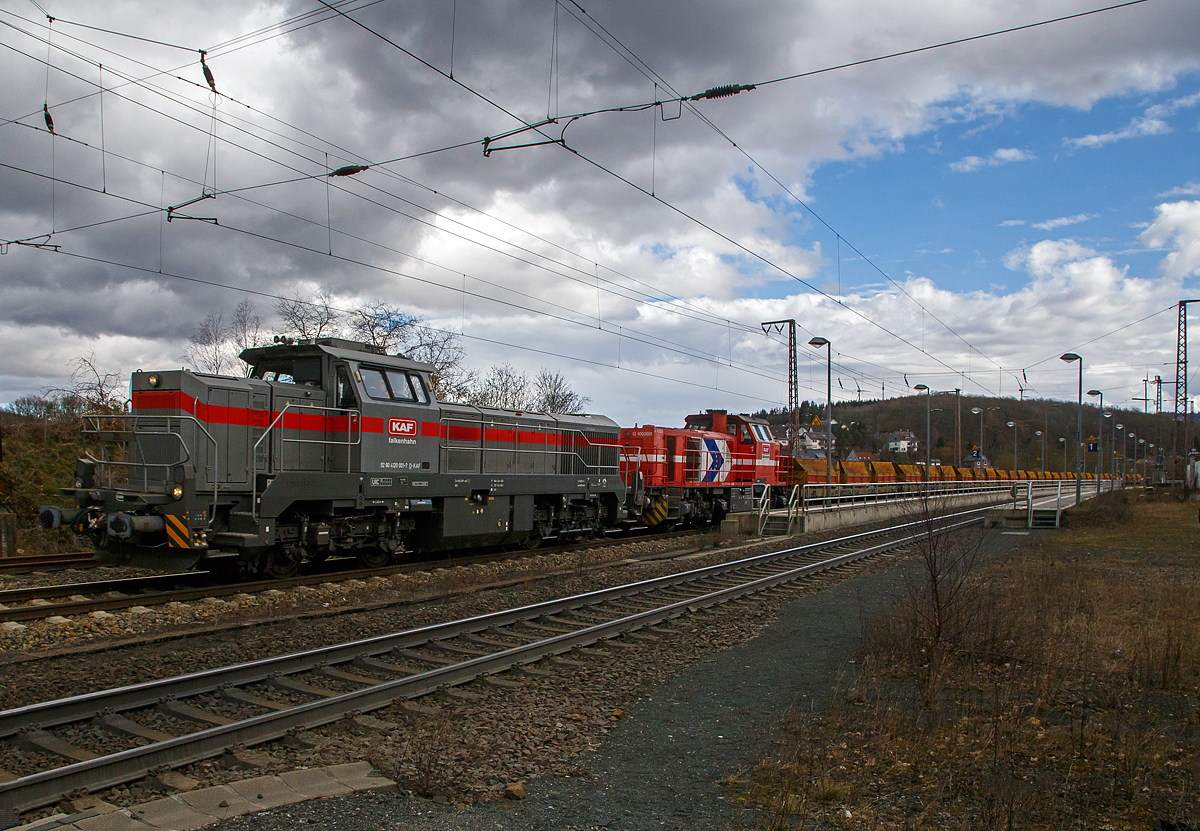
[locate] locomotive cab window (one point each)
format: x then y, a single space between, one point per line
744 434
306 371
346 399
393 384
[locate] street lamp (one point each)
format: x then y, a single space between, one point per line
1063 441
979 411
1142 442
928 392
1013 425
1042 438
1121 429
1071 357
1099 440
819 342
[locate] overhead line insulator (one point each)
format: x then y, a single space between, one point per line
722 91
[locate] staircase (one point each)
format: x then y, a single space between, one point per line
776 526
1044 518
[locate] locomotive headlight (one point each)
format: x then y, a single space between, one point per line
153 381
177 492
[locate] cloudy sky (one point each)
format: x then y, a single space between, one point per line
958 216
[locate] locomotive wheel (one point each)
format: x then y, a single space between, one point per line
532 541
281 563
375 557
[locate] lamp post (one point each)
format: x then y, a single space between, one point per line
1071 357
1099 440
1142 442
928 392
1042 438
1064 444
819 342
1146 460
979 411
1013 425
1124 460
1119 428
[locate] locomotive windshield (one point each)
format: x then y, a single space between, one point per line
290 371
393 384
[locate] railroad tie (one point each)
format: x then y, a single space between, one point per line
426 657
45 742
373 664
285 683
187 712
353 678
235 694
119 724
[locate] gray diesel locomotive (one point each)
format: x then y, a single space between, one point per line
329 446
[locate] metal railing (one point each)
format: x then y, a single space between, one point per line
353 417
818 498
137 427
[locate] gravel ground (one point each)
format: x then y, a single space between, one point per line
691 718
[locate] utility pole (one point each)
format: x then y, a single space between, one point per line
1181 396
793 379
957 426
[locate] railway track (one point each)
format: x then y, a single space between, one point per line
27 563
36 602
178 721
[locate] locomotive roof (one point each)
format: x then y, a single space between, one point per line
337 347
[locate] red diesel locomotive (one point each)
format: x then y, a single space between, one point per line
700 472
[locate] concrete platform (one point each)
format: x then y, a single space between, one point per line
205 806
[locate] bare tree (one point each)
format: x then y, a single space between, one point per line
245 330
553 394
210 349
92 390
314 316
383 325
452 381
503 387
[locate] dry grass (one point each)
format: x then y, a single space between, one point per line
1067 696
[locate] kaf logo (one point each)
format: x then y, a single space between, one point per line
402 427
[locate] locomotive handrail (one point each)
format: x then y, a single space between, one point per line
352 416
133 435
480 445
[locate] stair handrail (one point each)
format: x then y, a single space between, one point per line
795 507
764 510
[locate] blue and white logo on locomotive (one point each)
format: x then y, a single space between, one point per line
716 452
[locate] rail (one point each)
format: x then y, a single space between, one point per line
352 416
137 427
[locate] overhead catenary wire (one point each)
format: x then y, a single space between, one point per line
700 310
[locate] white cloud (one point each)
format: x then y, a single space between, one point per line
1177 222
1142 126
1008 223
1063 221
1190 189
1005 155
